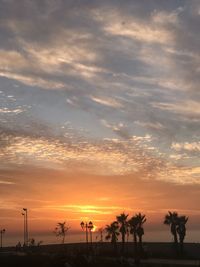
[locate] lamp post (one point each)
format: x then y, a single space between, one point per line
84 226
90 227
87 227
25 214
2 232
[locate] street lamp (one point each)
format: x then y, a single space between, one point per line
84 226
90 227
2 232
25 214
87 227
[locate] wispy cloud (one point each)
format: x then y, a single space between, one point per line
194 146
107 102
10 111
88 209
188 107
6 182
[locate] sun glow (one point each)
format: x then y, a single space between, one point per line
94 228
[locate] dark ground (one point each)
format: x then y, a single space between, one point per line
101 255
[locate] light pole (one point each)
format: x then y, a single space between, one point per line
84 226
90 227
87 226
2 232
25 214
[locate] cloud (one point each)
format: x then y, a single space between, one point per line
7 111
188 108
120 129
107 102
88 209
137 31
194 146
156 126
138 78
6 182
110 157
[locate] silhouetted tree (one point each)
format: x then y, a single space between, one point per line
122 220
172 219
133 223
112 231
100 232
61 230
181 230
140 230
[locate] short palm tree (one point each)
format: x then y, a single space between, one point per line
61 230
172 219
122 220
112 231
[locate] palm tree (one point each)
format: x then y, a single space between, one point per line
140 230
112 233
181 230
61 230
100 231
133 224
172 219
122 220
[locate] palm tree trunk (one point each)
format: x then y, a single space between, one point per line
181 240
176 242
63 241
140 244
123 242
136 255
135 243
175 238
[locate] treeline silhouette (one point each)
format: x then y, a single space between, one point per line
118 252
133 227
125 226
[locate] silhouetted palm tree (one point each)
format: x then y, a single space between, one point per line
122 220
112 231
133 224
140 230
172 219
61 230
181 230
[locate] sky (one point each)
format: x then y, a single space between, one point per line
99 112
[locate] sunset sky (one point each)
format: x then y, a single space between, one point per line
99 112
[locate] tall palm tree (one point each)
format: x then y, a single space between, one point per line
140 230
122 220
181 229
112 231
172 219
133 224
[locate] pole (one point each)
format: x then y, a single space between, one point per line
86 230
2 232
1 238
24 228
25 214
91 236
27 227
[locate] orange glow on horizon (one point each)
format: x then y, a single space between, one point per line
75 197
